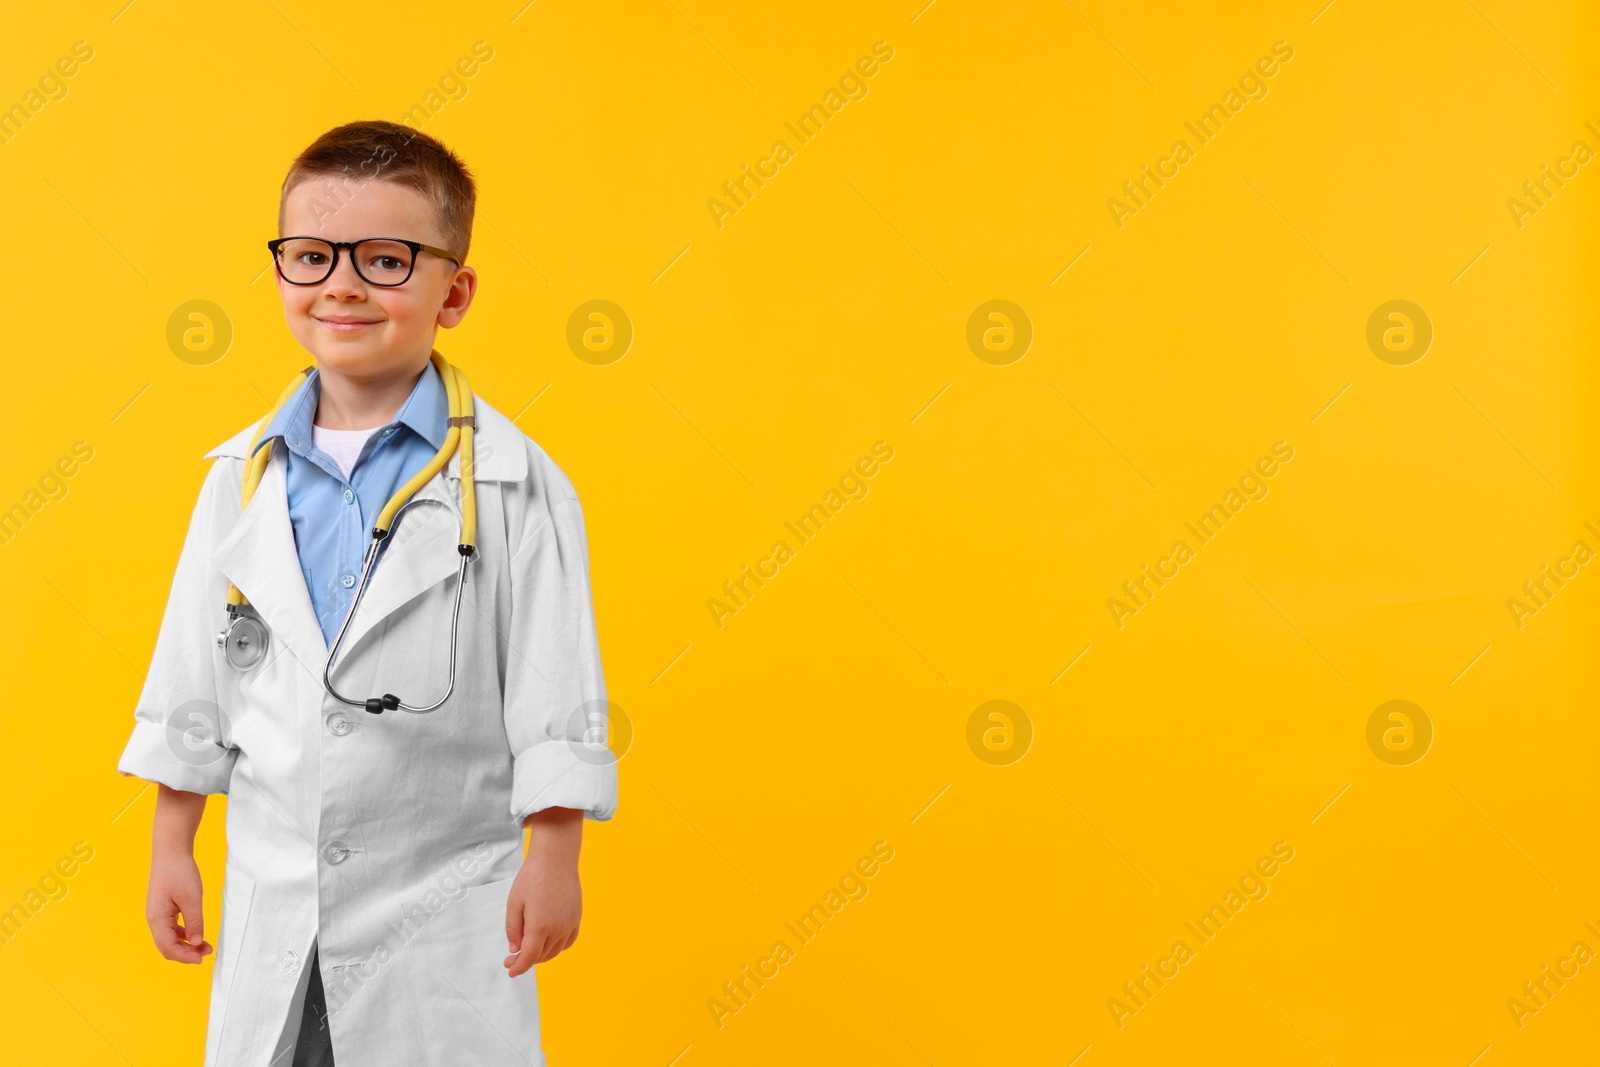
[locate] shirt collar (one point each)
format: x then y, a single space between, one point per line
426 411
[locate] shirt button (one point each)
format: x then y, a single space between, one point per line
289 964
348 580
349 497
339 724
336 852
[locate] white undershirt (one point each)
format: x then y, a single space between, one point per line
343 445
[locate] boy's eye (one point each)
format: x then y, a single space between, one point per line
382 260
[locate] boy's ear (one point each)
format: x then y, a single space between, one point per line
458 298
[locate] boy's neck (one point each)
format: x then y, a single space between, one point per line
346 403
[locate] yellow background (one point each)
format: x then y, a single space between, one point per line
833 710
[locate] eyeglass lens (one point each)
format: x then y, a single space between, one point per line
309 259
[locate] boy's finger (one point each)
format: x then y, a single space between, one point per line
513 932
184 950
188 903
166 939
166 931
513 925
531 953
558 945
175 946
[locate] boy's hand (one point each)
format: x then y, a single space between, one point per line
174 877
175 889
546 899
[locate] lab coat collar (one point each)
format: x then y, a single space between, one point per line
258 555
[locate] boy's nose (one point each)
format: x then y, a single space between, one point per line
344 277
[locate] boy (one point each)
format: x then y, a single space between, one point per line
374 852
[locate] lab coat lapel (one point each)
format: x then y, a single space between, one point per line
425 538
259 554
259 557
422 552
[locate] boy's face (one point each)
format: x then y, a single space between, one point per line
364 331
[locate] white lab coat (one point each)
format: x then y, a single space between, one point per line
388 840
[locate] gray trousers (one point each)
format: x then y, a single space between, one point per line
314 1048
306 1037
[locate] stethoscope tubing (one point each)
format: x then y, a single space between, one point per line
389 701
243 653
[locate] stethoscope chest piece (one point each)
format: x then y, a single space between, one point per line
245 641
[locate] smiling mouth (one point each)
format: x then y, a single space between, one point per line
346 327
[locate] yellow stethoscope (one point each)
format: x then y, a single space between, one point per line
244 643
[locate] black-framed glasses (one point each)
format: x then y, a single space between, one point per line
386 261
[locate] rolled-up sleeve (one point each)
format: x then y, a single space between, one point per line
180 731
556 712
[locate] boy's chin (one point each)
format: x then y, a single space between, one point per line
360 360
347 358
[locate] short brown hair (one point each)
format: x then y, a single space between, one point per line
387 151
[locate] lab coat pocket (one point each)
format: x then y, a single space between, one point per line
238 893
469 1011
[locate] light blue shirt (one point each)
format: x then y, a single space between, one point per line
333 516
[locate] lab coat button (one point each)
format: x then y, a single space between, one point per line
339 724
289 964
336 852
